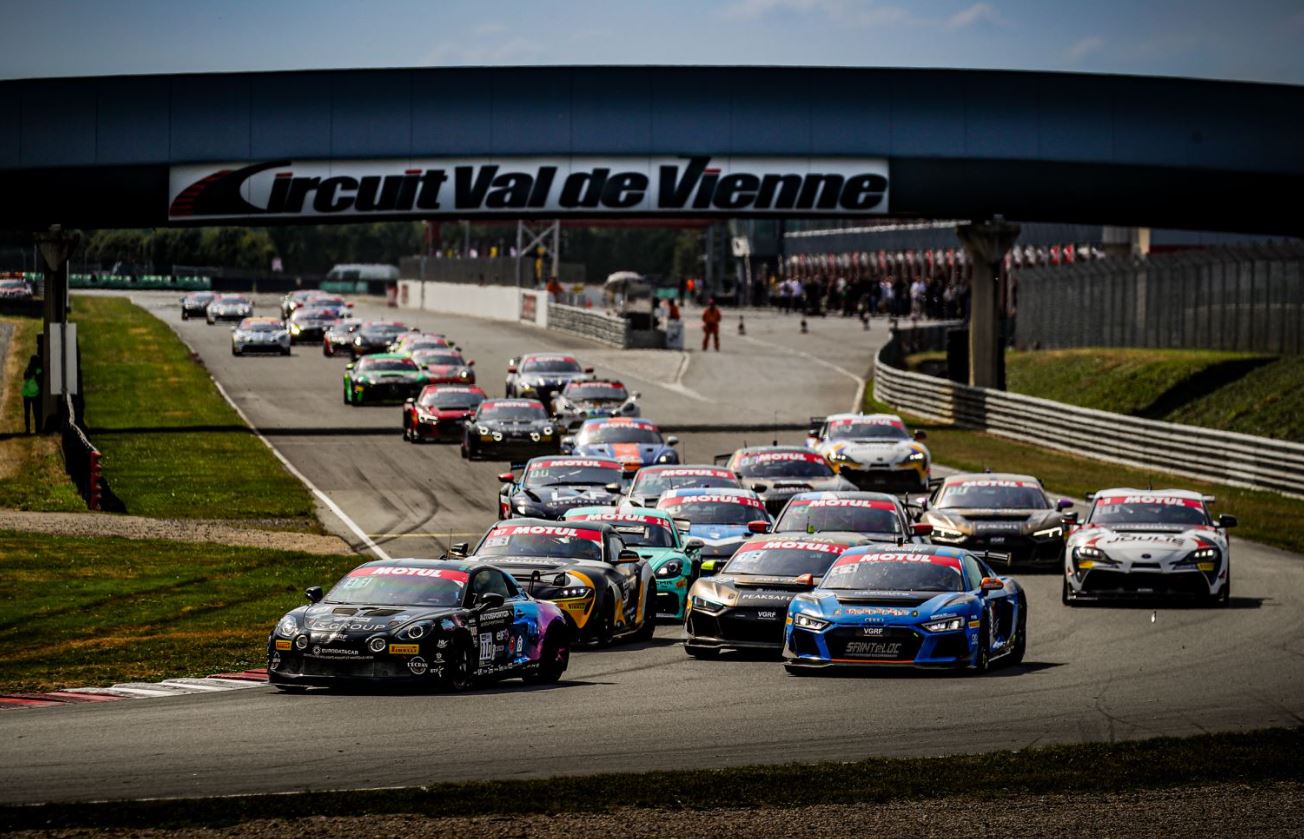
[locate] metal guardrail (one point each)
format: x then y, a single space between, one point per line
80 458
1202 453
600 327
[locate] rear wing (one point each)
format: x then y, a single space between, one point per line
934 484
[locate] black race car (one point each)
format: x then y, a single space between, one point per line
1010 514
426 621
195 304
777 473
509 429
604 589
744 606
550 486
374 336
309 323
865 516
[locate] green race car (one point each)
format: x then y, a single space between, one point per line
656 538
382 378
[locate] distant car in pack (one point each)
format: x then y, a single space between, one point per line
228 307
744 606
1148 544
551 485
578 401
375 336
382 379
295 299
540 375
267 335
863 516
1008 513
514 430
444 365
777 473
439 412
411 342
605 590
650 481
193 305
722 518
634 442
873 451
308 324
337 337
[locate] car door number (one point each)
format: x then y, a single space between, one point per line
486 647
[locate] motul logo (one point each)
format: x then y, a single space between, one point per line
589 186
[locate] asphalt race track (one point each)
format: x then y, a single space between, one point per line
1090 674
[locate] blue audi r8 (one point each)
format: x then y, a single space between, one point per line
721 518
907 605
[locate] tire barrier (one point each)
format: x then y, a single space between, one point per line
1202 453
600 327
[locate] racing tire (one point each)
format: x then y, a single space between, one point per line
983 658
1066 596
292 688
1222 599
459 673
285 351
702 653
649 626
604 632
185 315
1020 635
553 659
235 352
326 349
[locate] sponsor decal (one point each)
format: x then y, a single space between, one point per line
682 472
497 615
975 624
629 517
681 500
575 462
459 577
863 611
780 457
547 530
486 647
335 652
1169 500
984 482
864 503
417 666
847 562
582 184
510 403
283 644
873 649
849 421
404 649
529 307
797 545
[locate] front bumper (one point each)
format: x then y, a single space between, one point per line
899 646
216 316
261 346
308 335
672 596
1022 548
735 629
385 394
906 478
444 431
516 450
1145 584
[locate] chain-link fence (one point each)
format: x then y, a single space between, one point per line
1245 299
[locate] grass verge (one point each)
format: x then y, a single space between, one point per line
1265 517
173 447
1252 758
93 611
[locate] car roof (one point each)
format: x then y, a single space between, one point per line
845 494
685 492
589 525
452 388
745 450
634 513
507 400
963 477
909 548
385 356
447 564
845 540
633 422
855 415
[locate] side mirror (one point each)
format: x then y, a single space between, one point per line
693 546
635 394
921 529
613 488
568 440
1089 497
459 549
627 556
806 580
921 435
709 567
760 487
511 368
1069 518
990 584
489 600
588 369
409 401
758 526
506 478
672 440
1227 520
1063 504
313 593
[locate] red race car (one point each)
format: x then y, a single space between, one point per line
439 412
445 366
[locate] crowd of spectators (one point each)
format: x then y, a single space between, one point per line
933 297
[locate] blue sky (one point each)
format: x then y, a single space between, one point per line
1255 40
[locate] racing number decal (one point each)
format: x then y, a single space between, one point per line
486 647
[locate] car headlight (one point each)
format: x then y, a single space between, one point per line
950 623
673 568
917 457
667 457
1087 557
296 329
1049 533
704 604
805 621
377 644
841 457
547 431
288 627
1205 559
498 436
574 592
416 631
946 534
534 435
522 507
357 342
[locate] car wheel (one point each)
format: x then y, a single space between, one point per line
1223 598
553 659
185 315
285 351
292 688
983 658
1021 634
234 351
605 630
649 625
703 653
326 349
459 673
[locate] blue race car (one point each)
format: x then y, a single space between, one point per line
722 518
907 605
634 442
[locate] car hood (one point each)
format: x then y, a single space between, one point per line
890 607
561 498
390 376
874 451
515 425
354 622
970 520
656 557
720 534
749 590
641 453
446 369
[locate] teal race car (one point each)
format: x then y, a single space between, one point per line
383 379
656 538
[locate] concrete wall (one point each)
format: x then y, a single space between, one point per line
506 303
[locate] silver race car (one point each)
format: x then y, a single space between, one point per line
578 401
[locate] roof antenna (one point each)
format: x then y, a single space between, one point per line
776 427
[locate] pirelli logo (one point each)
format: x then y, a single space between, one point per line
404 649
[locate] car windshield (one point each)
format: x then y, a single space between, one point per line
429 357
867 430
425 344
617 433
713 509
391 585
551 365
781 558
642 532
993 495
387 365
574 473
232 301
383 330
895 572
784 465
653 483
450 400
596 391
853 515
315 314
512 411
556 541
261 327
1148 509
13 283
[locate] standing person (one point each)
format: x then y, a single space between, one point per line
32 393
711 325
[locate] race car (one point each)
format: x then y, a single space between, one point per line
339 335
722 518
540 375
410 342
582 400
605 590
228 307
634 442
655 537
1148 544
907 605
374 336
650 481
440 412
446 623
195 304
444 365
551 485
873 451
864 516
382 379
777 473
309 323
14 288
743 607
295 299
260 335
509 429
1004 512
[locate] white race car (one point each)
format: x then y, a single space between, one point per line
872 451
1148 544
260 335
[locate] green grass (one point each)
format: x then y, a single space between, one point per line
1267 402
1265 517
1252 758
93 611
173 448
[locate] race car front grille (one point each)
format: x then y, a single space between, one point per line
873 643
1145 583
758 626
883 479
667 603
803 643
952 645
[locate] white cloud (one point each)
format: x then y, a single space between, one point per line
862 13
977 13
1084 47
